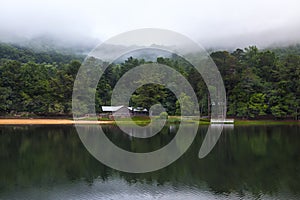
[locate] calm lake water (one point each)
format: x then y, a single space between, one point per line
248 162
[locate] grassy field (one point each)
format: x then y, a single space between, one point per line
266 122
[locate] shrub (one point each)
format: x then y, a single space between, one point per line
163 115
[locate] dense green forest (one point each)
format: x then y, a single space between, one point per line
259 83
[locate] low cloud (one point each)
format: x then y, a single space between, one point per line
228 24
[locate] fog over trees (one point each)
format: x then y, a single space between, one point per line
259 83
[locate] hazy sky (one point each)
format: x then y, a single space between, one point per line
211 22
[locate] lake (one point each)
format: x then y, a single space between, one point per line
248 162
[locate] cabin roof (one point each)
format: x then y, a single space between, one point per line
111 108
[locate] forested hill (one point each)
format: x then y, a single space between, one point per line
259 83
283 52
36 83
23 55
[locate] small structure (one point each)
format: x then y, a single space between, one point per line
219 121
122 111
138 111
119 111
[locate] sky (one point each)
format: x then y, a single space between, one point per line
232 23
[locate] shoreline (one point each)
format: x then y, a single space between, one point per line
49 122
71 122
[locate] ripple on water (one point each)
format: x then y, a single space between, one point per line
118 189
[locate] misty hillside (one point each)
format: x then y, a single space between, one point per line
45 50
50 43
46 43
24 55
289 50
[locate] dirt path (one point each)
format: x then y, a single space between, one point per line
48 121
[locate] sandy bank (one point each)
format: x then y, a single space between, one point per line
48 121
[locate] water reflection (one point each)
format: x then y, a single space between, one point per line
50 162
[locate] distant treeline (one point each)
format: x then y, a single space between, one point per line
259 84
24 55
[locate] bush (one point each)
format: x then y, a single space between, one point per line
163 115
